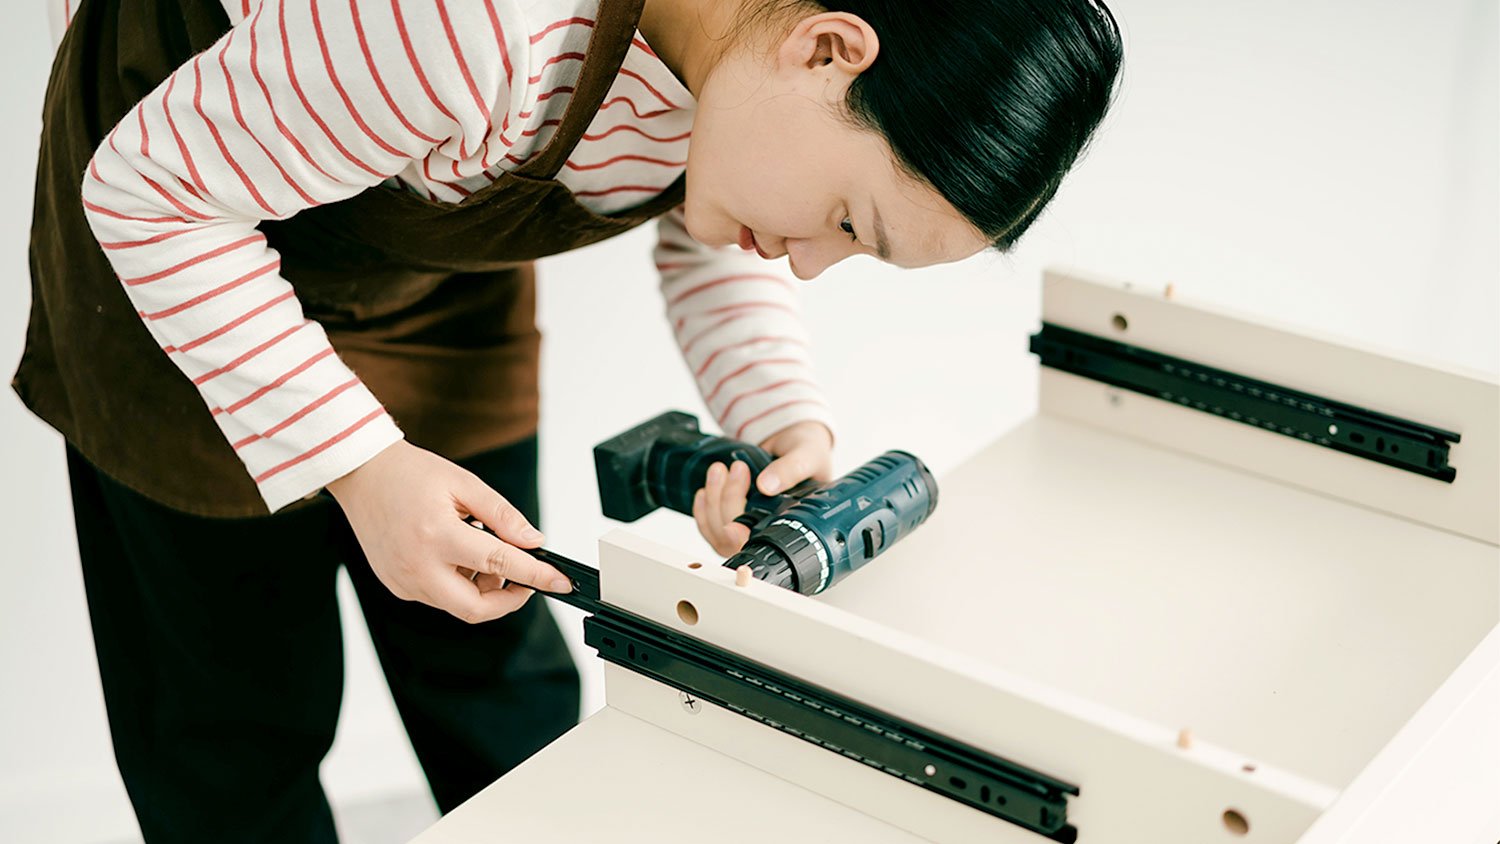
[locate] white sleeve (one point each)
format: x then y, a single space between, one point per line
289 110
739 324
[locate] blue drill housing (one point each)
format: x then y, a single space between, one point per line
807 538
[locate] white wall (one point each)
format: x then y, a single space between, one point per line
1329 164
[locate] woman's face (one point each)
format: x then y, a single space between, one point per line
775 167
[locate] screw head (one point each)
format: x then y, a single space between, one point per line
689 703
929 770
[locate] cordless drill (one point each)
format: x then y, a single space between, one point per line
805 539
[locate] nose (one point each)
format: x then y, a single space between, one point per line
809 257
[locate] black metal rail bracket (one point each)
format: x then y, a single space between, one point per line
1400 443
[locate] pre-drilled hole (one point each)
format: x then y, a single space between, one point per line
1119 322
1236 822
687 612
695 565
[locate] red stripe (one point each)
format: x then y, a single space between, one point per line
285 377
291 76
463 68
323 446
94 171
622 189
282 425
541 98
214 373
198 259
338 86
732 279
634 110
99 209
157 238
245 8
364 46
682 321
629 127
204 297
645 48
703 367
416 66
649 87
526 133
489 7
559 25
218 139
322 400
552 60
234 103
232 324
187 157
740 431
619 158
728 408
427 171
484 161
271 105
140 118
712 394
164 194
688 346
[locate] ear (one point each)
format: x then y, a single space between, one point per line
835 40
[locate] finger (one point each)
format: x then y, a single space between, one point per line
463 600
713 490
788 470
485 554
488 582
480 501
700 515
736 489
735 537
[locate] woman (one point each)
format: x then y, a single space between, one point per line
322 216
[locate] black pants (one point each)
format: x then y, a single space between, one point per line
220 655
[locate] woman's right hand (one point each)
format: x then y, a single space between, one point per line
410 510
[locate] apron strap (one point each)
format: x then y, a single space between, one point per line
614 28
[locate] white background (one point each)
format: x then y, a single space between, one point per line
1331 165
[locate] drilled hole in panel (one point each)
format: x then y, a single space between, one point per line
695 565
1236 822
1119 322
687 612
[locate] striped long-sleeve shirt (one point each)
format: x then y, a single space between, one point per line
307 103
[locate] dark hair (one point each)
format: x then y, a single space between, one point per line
989 101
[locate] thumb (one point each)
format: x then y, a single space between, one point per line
482 502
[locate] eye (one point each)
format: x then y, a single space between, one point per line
847 227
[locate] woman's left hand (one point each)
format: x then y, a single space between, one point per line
802 450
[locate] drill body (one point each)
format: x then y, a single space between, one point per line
805 539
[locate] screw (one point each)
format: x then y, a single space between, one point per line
689 703
929 770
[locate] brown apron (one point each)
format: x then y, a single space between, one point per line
431 304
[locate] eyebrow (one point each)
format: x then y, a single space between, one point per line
882 246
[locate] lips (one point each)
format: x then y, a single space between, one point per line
748 242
